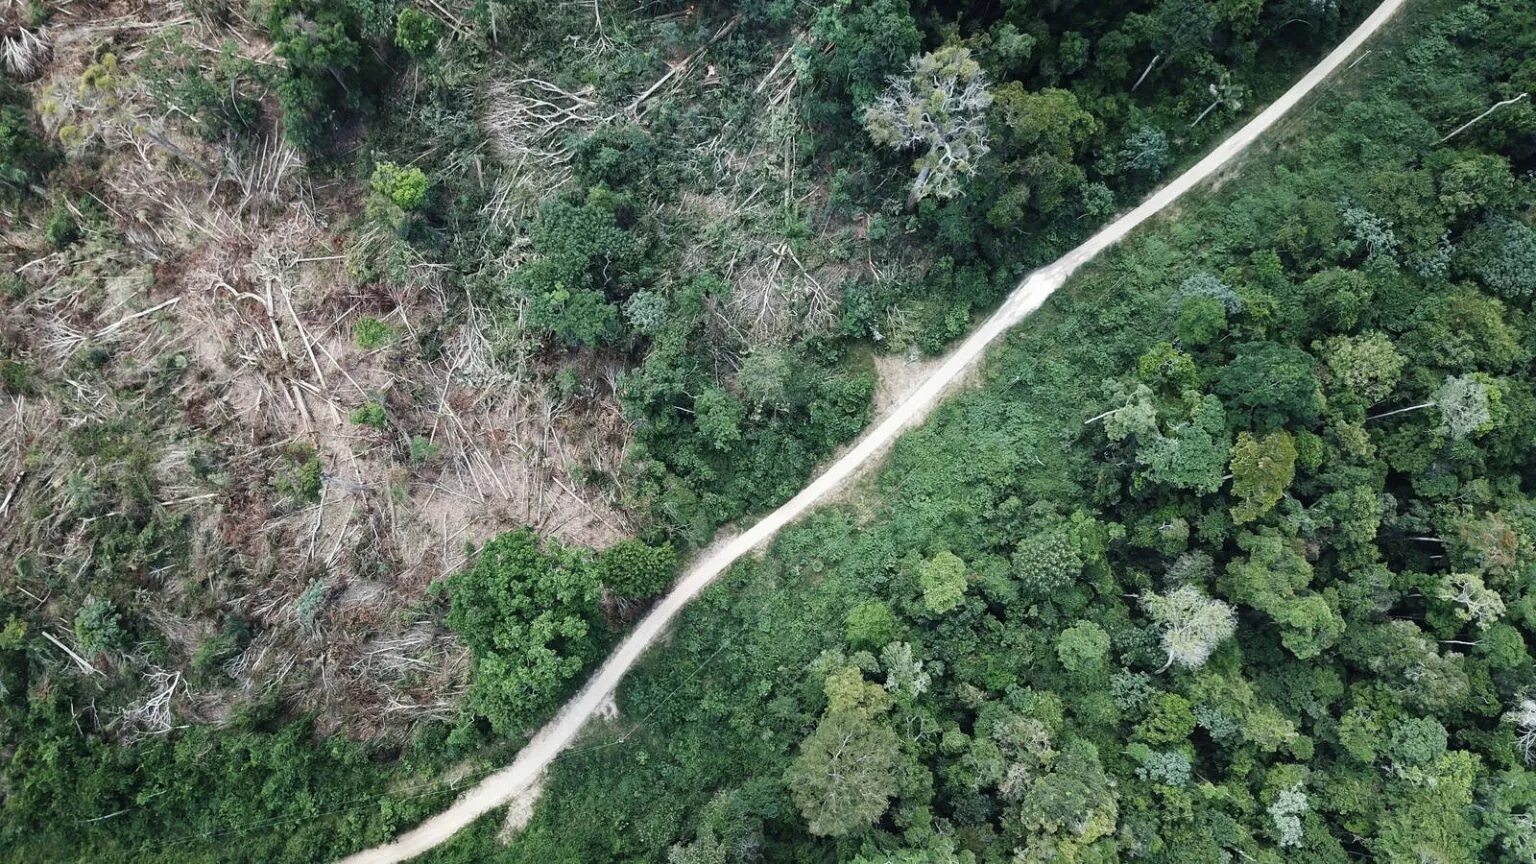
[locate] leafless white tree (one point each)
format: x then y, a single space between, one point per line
527 115
152 714
1465 405
528 119
1475 602
939 107
1524 718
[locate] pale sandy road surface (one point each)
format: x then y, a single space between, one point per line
496 790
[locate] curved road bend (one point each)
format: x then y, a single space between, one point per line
498 789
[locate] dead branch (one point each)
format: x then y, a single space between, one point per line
23 52
525 114
83 663
152 715
115 326
1470 123
5 506
776 67
686 65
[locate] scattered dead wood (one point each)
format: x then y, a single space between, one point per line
10 494
528 115
679 68
151 715
256 309
528 119
85 665
23 51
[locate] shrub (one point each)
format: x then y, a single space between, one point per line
61 229
369 414
218 650
312 601
13 287
633 570
870 624
16 378
98 627
300 479
23 156
371 333
423 451
416 32
14 634
404 185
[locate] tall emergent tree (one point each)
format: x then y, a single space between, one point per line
843 777
938 106
848 769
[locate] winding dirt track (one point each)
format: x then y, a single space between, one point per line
518 778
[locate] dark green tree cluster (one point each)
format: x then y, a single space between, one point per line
1270 602
24 157
1087 110
221 103
334 64
585 264
257 788
526 613
601 278
529 612
1058 134
705 453
634 571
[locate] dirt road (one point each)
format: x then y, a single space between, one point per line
498 789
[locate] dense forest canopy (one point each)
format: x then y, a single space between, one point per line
371 364
1236 564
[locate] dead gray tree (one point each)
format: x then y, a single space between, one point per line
939 107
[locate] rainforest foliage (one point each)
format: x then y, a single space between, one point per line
1231 558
